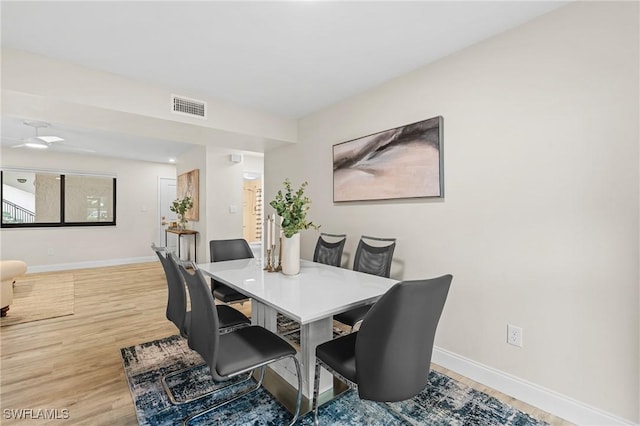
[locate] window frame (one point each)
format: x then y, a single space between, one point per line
61 223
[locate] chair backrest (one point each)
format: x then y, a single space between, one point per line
176 294
221 250
329 253
204 336
395 342
374 260
233 249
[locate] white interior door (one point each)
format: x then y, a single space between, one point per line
167 193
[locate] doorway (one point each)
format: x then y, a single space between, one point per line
252 208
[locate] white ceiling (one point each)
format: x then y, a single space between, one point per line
93 141
289 58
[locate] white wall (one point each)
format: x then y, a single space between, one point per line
253 162
225 195
539 224
63 248
220 192
224 183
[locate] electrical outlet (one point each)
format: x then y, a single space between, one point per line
514 335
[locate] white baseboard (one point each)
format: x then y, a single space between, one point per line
89 264
550 401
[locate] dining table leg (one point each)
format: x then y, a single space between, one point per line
264 316
311 335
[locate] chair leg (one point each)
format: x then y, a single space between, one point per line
255 388
299 400
166 387
172 397
227 401
316 391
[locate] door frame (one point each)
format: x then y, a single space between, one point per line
257 175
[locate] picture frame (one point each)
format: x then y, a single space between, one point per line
189 185
403 162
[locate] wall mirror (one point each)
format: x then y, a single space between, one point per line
32 198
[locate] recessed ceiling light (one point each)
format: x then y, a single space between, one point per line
172 160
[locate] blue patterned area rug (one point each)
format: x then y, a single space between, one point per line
443 402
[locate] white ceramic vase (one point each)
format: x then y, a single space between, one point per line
291 255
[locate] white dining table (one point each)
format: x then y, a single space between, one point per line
311 298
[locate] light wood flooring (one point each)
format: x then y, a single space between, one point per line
73 363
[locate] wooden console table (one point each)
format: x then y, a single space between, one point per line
180 233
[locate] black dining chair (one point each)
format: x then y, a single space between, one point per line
389 358
220 251
229 318
176 294
370 259
235 353
329 252
177 312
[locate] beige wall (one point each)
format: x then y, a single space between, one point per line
137 215
539 224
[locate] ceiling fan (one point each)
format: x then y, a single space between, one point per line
45 142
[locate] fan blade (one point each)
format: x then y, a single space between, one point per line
50 139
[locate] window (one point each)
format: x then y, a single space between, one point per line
45 198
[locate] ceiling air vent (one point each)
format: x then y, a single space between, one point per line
187 106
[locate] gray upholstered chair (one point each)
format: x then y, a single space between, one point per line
370 259
235 353
220 251
329 252
389 358
178 314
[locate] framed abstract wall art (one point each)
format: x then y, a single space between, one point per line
405 162
189 185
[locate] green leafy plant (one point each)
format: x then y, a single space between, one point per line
292 208
180 207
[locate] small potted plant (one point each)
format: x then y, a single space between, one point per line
180 207
292 207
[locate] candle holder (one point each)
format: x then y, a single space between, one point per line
269 267
279 267
273 258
